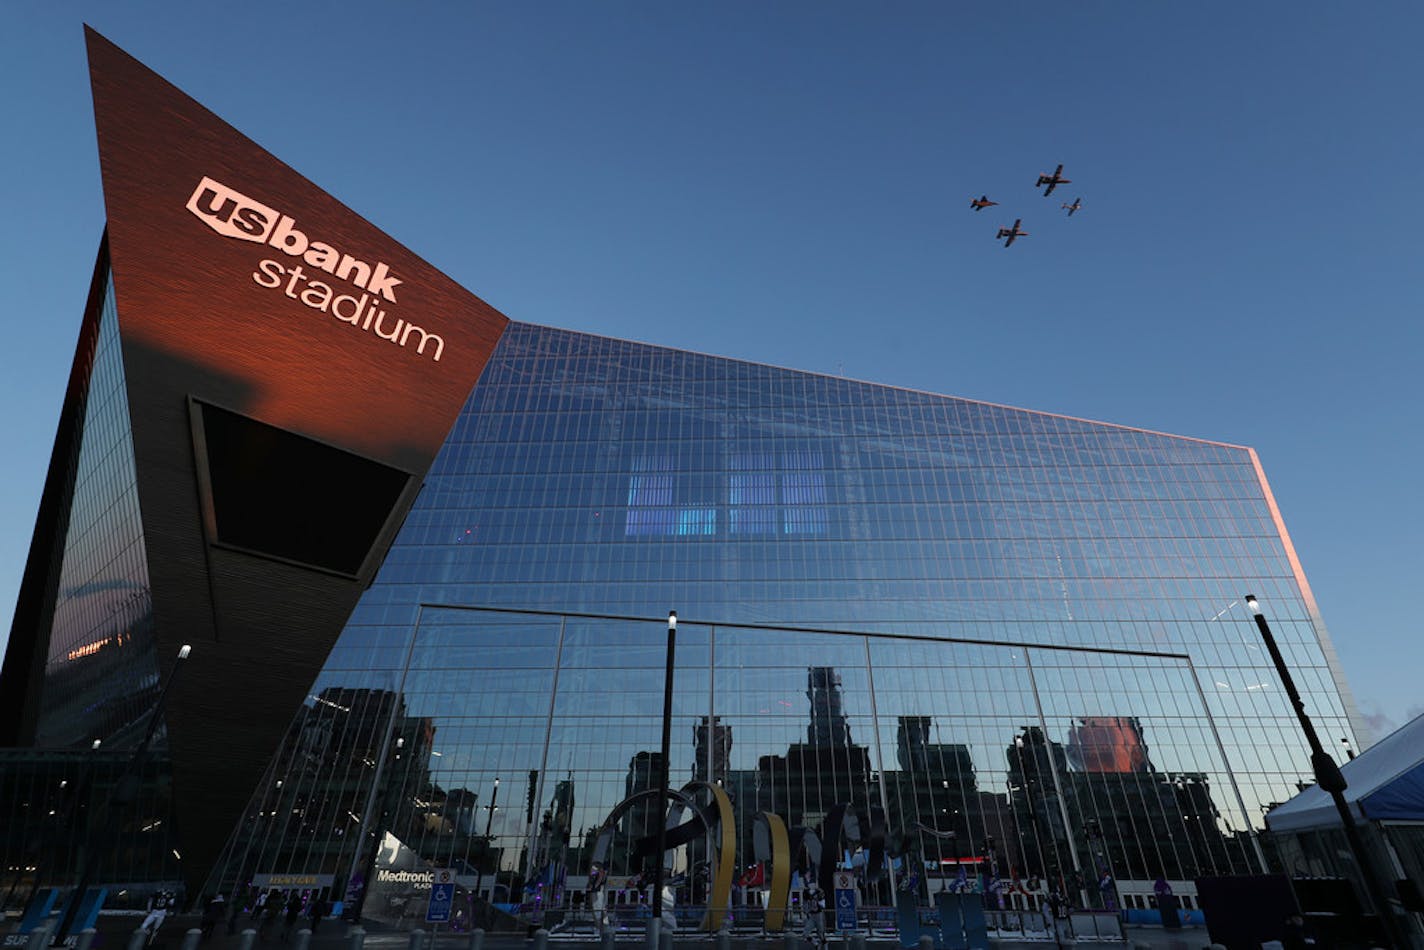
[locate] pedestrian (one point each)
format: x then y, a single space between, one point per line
158 906
598 895
212 913
233 913
1294 936
319 909
294 910
814 904
272 908
1107 889
668 911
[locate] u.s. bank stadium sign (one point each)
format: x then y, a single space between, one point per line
312 269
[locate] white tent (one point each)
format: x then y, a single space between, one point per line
1386 783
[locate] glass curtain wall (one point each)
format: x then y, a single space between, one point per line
101 675
1005 768
1088 685
587 474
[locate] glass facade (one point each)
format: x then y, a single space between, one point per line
101 675
56 804
1013 641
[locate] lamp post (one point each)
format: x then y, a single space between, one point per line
123 795
494 797
1328 777
489 850
660 812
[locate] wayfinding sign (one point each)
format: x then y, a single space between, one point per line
845 900
442 896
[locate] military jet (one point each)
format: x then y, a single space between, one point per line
1011 233
1077 203
1052 181
982 202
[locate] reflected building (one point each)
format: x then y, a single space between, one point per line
712 750
936 792
354 764
969 616
810 778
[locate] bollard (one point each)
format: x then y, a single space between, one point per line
477 939
417 939
303 939
789 941
86 938
926 942
39 937
191 938
650 939
857 941
246 939
541 940
607 938
665 938
137 939
356 937
724 940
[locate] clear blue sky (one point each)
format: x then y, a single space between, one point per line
789 183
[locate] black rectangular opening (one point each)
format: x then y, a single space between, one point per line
273 492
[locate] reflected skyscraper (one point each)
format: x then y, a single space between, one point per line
828 722
712 750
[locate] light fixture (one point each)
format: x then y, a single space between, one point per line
183 651
1253 605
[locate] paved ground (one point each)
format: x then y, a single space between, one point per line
333 935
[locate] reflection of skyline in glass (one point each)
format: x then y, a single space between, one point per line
1069 584
958 786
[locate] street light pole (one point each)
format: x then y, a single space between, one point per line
1328 777
494 797
661 812
123 795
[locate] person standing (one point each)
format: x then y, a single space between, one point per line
814 905
598 896
668 911
319 909
294 910
271 910
212 913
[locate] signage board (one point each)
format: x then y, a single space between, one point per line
845 900
442 896
292 881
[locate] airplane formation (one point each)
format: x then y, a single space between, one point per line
1015 232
